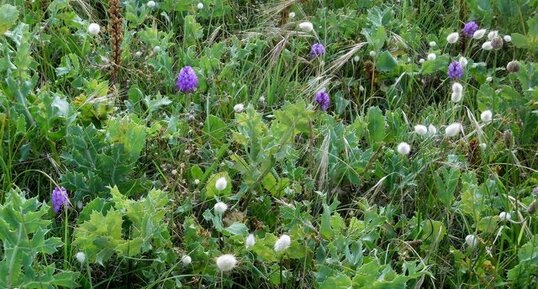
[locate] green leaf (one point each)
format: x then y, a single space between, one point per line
340 281
211 190
446 181
8 17
237 229
385 62
520 40
376 126
215 130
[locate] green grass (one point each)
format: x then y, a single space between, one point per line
359 214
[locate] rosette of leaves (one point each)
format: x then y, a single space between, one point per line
104 232
100 158
23 234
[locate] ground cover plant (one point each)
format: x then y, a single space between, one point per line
268 144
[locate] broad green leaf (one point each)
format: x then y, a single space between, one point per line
376 126
8 17
385 62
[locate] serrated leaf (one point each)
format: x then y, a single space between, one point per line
8 17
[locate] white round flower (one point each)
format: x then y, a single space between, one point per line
453 37
493 34
432 130
220 208
372 53
486 116
507 38
456 97
489 79
138 54
421 60
457 87
221 184
282 243
261 99
432 44
239 107
81 257
80 204
94 28
487 45
292 15
226 262
361 88
196 181
421 129
157 49
453 129
463 61
505 216
250 241
151 4
478 34
306 26
356 58
404 148
471 241
186 260
200 6
483 146
432 56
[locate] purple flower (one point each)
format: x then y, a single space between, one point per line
187 80
322 98
317 50
470 28
59 199
455 70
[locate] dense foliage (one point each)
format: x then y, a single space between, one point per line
268 144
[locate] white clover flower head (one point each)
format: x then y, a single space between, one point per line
292 15
361 88
471 241
478 34
463 61
186 260
81 257
174 172
94 29
486 116
457 87
404 148
196 181
157 49
421 60
483 146
226 262
80 205
489 79
261 99
238 108
453 37
507 38
505 216
492 34
453 129
138 54
220 208
221 184
200 6
356 58
306 26
487 46
432 43
250 241
372 53
456 97
282 243
432 56
421 129
432 130
151 4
